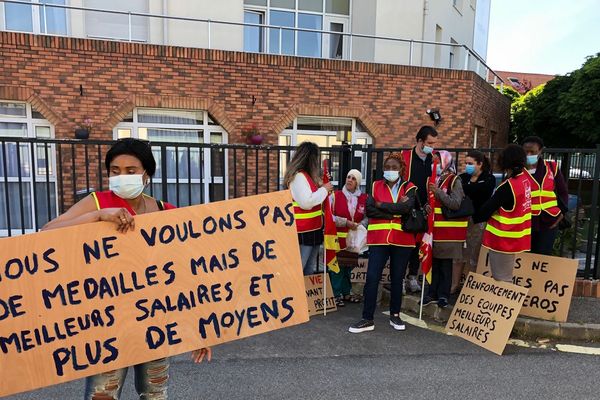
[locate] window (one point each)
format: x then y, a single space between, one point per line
288 15
324 132
253 35
186 173
453 51
116 26
28 181
38 17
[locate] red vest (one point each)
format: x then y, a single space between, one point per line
448 230
340 209
509 231
308 220
385 231
108 199
543 197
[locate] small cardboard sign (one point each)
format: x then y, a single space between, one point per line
550 281
359 273
314 294
87 299
486 311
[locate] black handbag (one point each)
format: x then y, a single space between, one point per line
416 219
466 208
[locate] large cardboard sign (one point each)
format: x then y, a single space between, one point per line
550 281
314 294
86 299
486 311
359 273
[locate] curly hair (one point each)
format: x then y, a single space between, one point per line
398 157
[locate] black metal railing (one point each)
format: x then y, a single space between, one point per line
40 178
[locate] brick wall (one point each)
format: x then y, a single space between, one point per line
115 77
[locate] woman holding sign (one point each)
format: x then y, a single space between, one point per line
308 194
130 164
508 215
392 197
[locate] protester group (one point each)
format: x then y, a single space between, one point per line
469 211
420 196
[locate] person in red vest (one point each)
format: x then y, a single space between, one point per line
449 235
508 215
130 164
349 211
419 161
550 195
391 198
308 193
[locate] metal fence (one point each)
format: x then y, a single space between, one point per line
219 34
41 178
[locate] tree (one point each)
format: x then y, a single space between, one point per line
564 111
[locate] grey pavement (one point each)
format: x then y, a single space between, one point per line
584 310
321 360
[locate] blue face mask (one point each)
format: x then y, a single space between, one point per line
391 176
532 160
427 149
470 169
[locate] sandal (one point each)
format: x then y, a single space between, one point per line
353 298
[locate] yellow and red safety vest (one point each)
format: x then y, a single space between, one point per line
509 231
543 197
386 231
308 220
340 209
448 230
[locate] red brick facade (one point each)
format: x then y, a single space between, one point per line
390 100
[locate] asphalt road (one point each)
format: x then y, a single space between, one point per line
321 360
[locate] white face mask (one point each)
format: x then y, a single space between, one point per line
127 186
391 176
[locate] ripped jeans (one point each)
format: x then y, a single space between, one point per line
151 380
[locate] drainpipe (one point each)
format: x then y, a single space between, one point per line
425 9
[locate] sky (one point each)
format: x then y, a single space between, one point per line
542 36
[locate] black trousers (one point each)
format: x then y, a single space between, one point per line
441 278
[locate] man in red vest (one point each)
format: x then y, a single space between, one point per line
418 163
550 194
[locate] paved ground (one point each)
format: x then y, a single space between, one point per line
584 310
321 360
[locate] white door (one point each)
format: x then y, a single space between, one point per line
336 46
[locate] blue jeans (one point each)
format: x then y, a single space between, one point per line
151 380
309 255
378 255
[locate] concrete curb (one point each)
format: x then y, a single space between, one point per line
525 328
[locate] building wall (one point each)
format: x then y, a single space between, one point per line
390 100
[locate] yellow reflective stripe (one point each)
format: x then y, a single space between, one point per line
511 221
507 234
96 200
308 215
536 206
548 193
384 226
450 224
437 210
342 234
548 204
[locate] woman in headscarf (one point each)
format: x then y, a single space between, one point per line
448 235
349 211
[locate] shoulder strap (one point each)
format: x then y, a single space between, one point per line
160 205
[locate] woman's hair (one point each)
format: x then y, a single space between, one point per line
482 159
305 159
512 158
132 147
398 157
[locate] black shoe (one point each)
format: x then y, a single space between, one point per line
361 326
427 300
442 303
397 323
339 301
